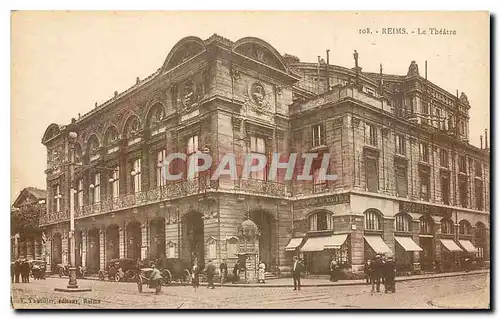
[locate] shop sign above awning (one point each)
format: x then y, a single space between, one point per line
451 245
468 246
407 243
378 245
294 243
324 242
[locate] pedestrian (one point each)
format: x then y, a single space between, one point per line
368 270
236 272
333 270
17 270
376 273
210 270
223 272
195 275
12 271
262 273
296 273
155 279
390 275
25 271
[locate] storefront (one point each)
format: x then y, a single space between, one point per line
319 250
450 255
375 245
405 251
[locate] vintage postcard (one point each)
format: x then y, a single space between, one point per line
250 160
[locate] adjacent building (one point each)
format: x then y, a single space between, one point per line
408 181
27 242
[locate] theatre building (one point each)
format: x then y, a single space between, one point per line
408 181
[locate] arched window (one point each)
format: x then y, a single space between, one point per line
447 226
156 114
373 220
111 136
426 226
132 126
93 144
321 221
403 223
464 228
232 247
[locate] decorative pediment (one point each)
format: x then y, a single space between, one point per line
261 51
184 50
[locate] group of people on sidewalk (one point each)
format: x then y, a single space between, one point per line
381 269
20 268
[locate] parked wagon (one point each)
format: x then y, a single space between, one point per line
172 269
120 269
38 269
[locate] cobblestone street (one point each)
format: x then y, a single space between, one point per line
450 292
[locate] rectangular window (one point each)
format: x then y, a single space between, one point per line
462 190
371 172
372 135
258 145
400 144
445 188
443 158
424 185
478 168
401 181
479 194
97 188
57 198
160 166
80 193
116 182
424 152
192 148
137 175
437 120
462 164
318 135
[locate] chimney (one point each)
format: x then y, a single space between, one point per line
426 69
485 138
481 139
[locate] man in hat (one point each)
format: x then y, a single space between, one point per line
390 275
296 273
223 271
155 279
210 274
377 272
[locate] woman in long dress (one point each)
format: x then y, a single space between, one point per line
262 273
195 275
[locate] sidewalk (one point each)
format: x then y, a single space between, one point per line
471 300
321 282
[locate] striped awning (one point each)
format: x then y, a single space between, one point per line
294 243
324 242
378 245
407 243
451 245
468 246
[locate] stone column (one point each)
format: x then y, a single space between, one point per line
47 252
171 236
102 248
65 248
121 239
144 241
84 247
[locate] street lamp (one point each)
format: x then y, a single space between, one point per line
73 131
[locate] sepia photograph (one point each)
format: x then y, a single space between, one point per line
250 160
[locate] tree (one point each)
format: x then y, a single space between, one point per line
25 221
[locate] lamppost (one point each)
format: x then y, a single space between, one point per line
72 283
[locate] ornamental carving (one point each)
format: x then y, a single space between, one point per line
256 98
187 95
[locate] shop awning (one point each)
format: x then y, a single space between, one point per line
467 245
450 245
407 243
378 245
294 243
324 242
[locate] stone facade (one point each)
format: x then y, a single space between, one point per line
221 97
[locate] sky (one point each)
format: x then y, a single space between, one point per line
62 63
